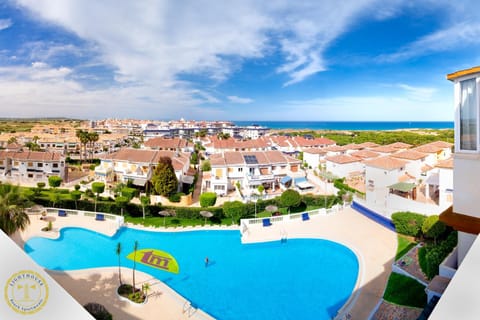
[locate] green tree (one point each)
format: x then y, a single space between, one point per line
83 138
194 158
260 189
234 209
54 181
290 198
135 248
54 197
433 228
144 201
121 201
118 251
206 166
12 205
98 187
92 138
164 180
75 195
208 199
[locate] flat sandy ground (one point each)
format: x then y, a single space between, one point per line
374 245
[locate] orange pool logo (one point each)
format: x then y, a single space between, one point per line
156 259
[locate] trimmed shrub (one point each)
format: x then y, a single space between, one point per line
176 197
130 193
208 199
98 311
408 223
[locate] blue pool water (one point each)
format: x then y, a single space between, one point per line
299 279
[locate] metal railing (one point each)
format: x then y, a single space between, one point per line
119 220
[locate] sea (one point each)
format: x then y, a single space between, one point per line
349 125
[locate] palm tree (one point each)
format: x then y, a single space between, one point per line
118 251
83 137
92 138
12 205
135 247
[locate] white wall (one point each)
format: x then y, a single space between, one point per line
343 170
466 184
377 196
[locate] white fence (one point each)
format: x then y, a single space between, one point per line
119 220
245 223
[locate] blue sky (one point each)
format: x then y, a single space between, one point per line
352 60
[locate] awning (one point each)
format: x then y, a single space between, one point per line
187 179
285 179
139 182
402 186
433 179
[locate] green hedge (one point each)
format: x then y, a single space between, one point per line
408 223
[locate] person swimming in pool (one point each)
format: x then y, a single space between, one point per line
206 261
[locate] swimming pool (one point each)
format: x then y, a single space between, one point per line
298 279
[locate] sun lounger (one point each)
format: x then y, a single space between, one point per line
62 213
100 217
266 222
305 216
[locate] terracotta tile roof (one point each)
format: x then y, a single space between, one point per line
263 158
428 148
406 178
441 144
165 143
369 145
335 148
35 156
387 163
399 145
384 149
132 155
365 154
445 164
409 155
426 168
316 151
232 158
353 146
342 159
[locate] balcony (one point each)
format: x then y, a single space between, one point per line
261 178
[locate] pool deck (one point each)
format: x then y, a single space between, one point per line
374 245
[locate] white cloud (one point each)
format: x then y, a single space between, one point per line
5 24
239 100
40 90
452 38
418 93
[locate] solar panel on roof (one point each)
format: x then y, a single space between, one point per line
250 159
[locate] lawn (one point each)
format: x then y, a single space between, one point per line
404 245
405 291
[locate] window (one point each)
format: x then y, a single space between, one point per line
30 164
468 114
55 165
40 164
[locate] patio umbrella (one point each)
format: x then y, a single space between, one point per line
206 214
271 208
164 213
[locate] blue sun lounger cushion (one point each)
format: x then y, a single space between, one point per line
266 222
305 216
62 213
100 217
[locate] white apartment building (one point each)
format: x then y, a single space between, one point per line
33 166
138 166
344 166
249 170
